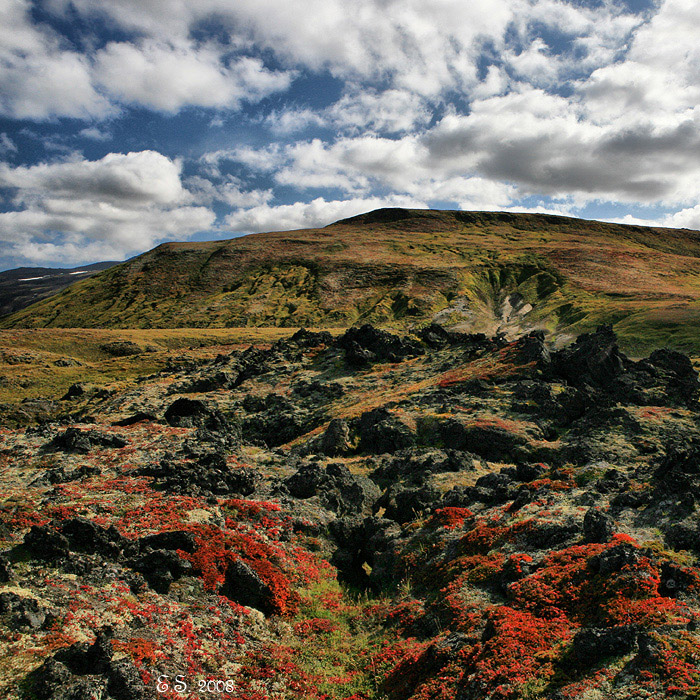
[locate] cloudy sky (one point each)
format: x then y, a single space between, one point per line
125 123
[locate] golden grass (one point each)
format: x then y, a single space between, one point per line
28 356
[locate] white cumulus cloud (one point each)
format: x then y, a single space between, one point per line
314 214
109 208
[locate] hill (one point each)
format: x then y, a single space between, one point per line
26 285
401 268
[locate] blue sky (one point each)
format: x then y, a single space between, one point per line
125 123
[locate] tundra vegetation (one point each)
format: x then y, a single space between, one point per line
358 515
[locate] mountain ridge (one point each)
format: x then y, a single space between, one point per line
477 271
23 286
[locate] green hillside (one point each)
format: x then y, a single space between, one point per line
400 268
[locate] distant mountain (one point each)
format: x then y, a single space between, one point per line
476 271
26 285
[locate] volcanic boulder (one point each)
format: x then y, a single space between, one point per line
594 358
83 441
242 585
338 489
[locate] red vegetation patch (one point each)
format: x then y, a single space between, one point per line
314 626
450 517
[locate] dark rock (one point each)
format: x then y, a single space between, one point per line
489 440
679 461
124 681
305 482
436 336
6 573
544 535
50 680
215 381
243 586
279 422
594 358
170 540
121 348
528 472
683 380
61 476
304 338
87 671
347 532
21 613
74 391
85 536
368 344
405 504
612 481
252 362
83 441
138 417
160 568
597 526
614 559
362 542
675 580
380 432
523 496
592 646
575 402
458 497
338 489
531 348
358 357
684 536
83 658
209 474
191 413
493 488
318 391
417 463
335 440
536 397
45 543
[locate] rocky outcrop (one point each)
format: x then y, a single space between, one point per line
83 441
368 344
336 487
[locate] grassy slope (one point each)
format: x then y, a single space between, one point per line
28 357
400 268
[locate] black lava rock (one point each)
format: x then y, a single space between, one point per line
209 474
170 540
192 413
593 645
242 585
335 440
74 391
6 572
593 359
160 567
21 612
597 526
83 441
85 536
338 489
45 543
405 504
380 432
369 344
